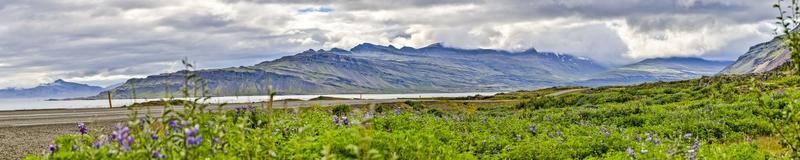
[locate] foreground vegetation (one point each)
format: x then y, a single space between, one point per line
724 117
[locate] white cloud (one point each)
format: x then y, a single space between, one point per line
106 41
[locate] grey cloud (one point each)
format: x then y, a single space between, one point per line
52 39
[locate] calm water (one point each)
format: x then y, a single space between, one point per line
24 104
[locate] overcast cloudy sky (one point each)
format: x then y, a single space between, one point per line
102 42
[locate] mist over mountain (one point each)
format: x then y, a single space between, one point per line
657 69
56 89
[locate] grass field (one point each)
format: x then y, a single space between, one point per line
722 117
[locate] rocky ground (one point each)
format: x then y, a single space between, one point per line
18 142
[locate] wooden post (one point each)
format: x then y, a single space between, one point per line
109 99
271 97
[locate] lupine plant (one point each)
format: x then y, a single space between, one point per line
707 118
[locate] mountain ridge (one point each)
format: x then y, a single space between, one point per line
56 89
370 68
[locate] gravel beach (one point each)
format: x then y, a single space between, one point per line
18 142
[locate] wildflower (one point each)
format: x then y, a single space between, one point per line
335 120
559 134
749 139
630 151
53 148
97 144
195 140
185 123
174 125
656 142
216 141
193 136
483 143
693 150
532 129
158 155
397 111
345 121
687 136
154 136
508 149
82 128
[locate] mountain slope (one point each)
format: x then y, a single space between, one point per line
57 89
369 68
760 58
657 69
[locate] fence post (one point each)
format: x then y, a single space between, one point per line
109 99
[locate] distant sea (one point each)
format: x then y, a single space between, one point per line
32 104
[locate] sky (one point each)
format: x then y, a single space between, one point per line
103 42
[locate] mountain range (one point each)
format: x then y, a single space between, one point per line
761 58
657 69
370 68
56 89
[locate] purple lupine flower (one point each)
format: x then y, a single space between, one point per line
335 120
397 111
532 129
252 110
605 131
53 148
687 136
508 149
216 141
749 139
174 125
630 151
649 138
483 143
693 150
154 136
190 132
82 128
193 136
158 155
656 141
185 123
75 148
345 121
97 144
366 125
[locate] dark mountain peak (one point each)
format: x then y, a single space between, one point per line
338 50
59 81
531 50
366 47
435 45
